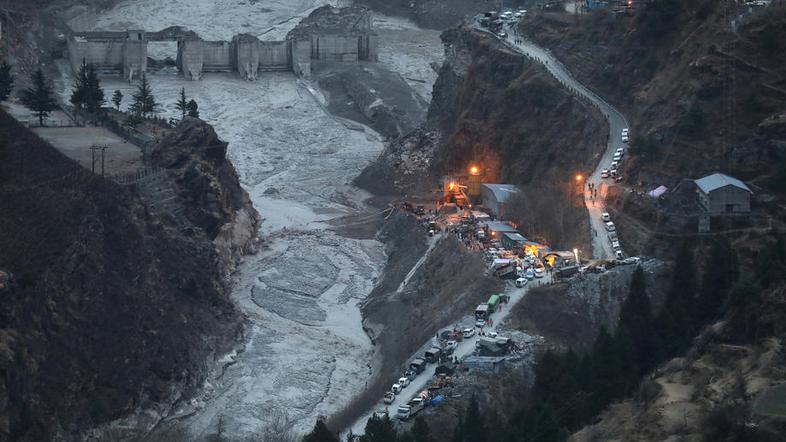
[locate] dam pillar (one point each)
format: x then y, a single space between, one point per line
245 55
191 58
134 55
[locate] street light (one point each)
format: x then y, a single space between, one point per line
576 254
474 170
579 177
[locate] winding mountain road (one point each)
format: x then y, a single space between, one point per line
601 247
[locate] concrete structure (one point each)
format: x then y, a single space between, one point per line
496 229
721 194
513 241
327 35
495 197
119 53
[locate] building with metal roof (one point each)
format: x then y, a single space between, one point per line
495 197
721 194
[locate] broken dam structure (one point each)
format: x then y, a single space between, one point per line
316 40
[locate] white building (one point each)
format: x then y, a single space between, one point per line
722 194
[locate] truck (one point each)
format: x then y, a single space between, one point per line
412 408
482 311
493 302
417 365
432 354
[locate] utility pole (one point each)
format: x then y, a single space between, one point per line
93 149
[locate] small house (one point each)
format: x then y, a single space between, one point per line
513 241
720 194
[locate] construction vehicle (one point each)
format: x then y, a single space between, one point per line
417 365
414 406
493 302
482 311
432 354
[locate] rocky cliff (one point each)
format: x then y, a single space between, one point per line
108 304
496 108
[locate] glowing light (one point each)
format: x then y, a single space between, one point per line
579 177
474 170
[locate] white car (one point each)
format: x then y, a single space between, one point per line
614 165
521 282
619 152
403 381
480 322
539 272
618 254
625 131
604 173
605 217
389 398
614 173
617 157
625 139
468 333
615 245
450 347
530 274
610 227
396 388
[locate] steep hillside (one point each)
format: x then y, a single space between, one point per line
702 95
106 304
496 108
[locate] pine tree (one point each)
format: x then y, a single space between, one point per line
458 431
420 431
39 98
608 382
95 95
379 429
182 103
474 424
6 80
717 280
87 93
636 325
144 101
320 433
193 108
117 98
675 324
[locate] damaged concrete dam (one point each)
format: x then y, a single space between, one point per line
349 39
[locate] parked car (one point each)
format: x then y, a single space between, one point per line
389 398
619 152
625 131
502 34
539 272
605 217
521 282
468 332
403 381
614 165
450 347
604 173
610 227
480 322
396 388
618 254
530 274
615 245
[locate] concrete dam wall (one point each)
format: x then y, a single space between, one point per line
125 53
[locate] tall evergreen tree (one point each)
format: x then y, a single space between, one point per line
474 424
320 433
182 103
6 80
144 101
87 93
608 380
458 431
193 108
117 98
720 274
379 429
636 324
420 431
675 324
39 97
